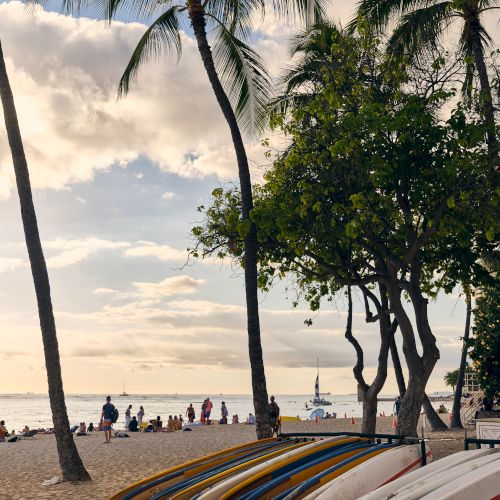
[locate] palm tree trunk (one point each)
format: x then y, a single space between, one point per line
69 460
456 421
434 419
260 399
487 98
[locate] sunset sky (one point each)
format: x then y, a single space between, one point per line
116 186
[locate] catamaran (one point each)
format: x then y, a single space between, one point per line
318 400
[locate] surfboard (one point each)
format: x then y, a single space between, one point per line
480 484
435 467
223 489
191 486
428 484
141 489
370 474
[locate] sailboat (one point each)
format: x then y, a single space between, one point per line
123 391
318 400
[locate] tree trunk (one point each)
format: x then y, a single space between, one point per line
456 420
435 421
369 423
259 388
411 405
398 370
432 416
486 96
69 460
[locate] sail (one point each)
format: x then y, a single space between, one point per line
316 388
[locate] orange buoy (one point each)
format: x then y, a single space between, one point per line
352 421
394 422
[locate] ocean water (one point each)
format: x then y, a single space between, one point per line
33 410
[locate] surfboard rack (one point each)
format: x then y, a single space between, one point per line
376 438
479 442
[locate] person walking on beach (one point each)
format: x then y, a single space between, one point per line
190 413
140 416
224 412
127 417
107 418
208 410
274 413
397 406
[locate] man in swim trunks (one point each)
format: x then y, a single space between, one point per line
107 419
274 413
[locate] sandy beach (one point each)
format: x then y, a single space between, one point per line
25 465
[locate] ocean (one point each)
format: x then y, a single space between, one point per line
33 410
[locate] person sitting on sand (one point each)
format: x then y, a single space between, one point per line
3 431
26 429
170 424
177 424
181 420
133 425
82 430
157 424
236 420
91 427
251 419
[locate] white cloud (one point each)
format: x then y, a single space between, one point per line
74 251
177 285
104 291
64 74
10 264
150 249
168 195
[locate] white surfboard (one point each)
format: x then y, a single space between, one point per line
428 484
370 474
433 468
216 491
480 484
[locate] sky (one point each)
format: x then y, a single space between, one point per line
116 187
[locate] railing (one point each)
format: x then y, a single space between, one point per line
468 412
479 442
376 438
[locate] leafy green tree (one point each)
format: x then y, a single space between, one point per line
422 23
374 188
241 85
485 343
71 464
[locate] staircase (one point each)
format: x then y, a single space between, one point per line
468 411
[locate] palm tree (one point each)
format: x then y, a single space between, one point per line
450 379
423 22
71 463
239 79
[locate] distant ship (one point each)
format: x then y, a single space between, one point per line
123 391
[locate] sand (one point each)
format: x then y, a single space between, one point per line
26 464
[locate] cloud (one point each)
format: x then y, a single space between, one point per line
177 285
151 249
168 195
76 250
104 291
71 121
10 264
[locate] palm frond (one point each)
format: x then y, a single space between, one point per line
161 36
141 10
244 76
378 12
420 29
235 14
308 12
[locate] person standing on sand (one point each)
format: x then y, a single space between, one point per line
190 413
140 416
203 412
107 419
397 406
208 410
274 413
127 417
224 412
